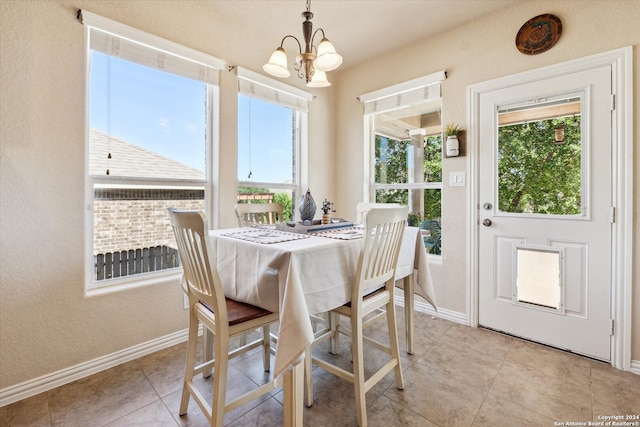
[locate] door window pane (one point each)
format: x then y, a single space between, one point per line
540 159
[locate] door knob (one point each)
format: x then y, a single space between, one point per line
486 222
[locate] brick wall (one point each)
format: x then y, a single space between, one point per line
131 219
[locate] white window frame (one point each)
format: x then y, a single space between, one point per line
256 85
394 97
402 95
135 45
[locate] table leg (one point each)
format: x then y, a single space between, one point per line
408 311
293 386
334 344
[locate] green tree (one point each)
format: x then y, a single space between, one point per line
250 190
433 158
391 160
536 174
433 173
391 168
283 198
287 205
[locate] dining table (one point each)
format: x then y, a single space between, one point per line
298 275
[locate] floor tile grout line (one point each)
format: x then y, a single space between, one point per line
513 356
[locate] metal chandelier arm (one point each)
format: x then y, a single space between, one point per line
314 37
293 37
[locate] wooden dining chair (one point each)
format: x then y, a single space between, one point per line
373 288
221 316
258 213
362 208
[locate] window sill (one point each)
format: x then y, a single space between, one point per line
120 285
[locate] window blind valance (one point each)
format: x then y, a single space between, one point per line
405 94
269 90
119 40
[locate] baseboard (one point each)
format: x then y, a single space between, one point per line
635 367
65 376
442 313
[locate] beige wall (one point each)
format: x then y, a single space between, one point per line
474 53
46 323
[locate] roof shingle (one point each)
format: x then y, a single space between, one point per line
128 160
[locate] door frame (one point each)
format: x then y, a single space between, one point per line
621 61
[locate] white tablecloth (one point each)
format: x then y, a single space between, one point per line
302 277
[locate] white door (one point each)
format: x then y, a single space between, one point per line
545 192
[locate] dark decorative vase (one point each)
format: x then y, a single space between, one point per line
307 207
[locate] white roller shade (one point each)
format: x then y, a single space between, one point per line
405 94
119 40
269 90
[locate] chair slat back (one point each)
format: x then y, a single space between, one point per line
258 213
363 207
384 229
191 237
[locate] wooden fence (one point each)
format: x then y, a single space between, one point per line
135 261
255 197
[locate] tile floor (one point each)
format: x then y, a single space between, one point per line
458 376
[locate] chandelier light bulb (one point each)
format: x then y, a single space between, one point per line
277 65
319 79
328 59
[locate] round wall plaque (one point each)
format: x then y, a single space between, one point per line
539 34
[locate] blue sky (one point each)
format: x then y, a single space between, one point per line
165 113
264 149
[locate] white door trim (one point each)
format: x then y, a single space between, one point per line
621 61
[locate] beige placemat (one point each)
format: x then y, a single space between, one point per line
265 236
348 233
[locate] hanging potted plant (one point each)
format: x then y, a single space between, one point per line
451 131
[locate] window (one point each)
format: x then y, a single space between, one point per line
405 146
151 108
272 138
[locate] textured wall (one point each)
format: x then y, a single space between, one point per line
46 322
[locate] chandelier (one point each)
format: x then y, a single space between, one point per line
312 63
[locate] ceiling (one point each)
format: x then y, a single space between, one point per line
359 29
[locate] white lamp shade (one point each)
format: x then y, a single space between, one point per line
328 59
277 65
319 79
